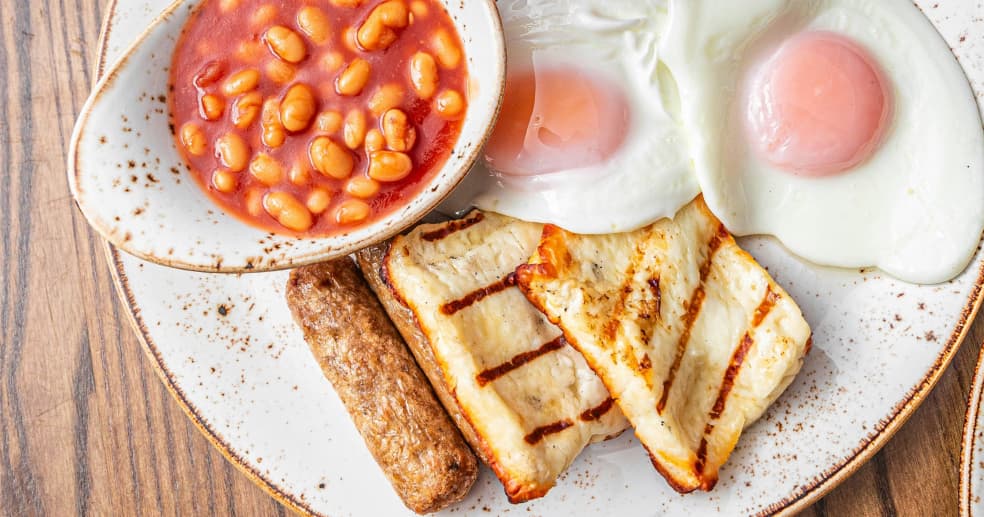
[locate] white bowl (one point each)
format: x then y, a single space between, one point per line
133 187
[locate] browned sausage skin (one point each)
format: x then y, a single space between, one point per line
390 401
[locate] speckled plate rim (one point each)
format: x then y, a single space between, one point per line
795 502
971 421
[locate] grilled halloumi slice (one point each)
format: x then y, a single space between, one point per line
530 399
692 337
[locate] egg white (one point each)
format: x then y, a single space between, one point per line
651 175
915 209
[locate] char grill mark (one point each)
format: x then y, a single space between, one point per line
702 450
731 374
693 311
537 435
519 360
453 307
453 228
658 293
598 411
764 308
610 328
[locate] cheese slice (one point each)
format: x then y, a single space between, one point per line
691 336
531 400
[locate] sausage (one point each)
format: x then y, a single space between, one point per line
404 426
371 261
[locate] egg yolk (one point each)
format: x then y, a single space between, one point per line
555 119
819 106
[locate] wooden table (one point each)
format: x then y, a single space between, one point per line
83 418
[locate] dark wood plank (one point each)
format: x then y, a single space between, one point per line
85 426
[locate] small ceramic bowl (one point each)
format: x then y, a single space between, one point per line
132 185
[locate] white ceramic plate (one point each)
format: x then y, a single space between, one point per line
227 349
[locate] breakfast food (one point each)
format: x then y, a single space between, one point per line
314 119
371 262
587 138
528 402
691 336
633 304
389 399
846 129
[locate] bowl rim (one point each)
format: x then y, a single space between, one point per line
330 249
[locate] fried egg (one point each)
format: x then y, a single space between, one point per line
846 129
587 138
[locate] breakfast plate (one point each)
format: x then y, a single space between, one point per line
226 347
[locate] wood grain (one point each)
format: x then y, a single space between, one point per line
86 428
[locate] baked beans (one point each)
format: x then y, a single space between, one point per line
312 118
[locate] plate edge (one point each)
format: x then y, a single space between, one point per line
971 415
903 411
791 505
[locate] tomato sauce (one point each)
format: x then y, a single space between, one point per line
226 37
